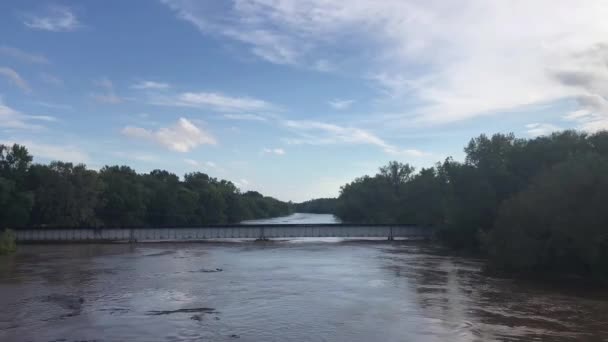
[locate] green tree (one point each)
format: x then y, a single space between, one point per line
558 223
123 200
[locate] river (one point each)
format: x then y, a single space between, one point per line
303 290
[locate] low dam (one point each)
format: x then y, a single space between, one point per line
237 231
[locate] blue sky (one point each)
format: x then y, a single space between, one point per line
293 98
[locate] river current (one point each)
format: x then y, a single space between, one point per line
289 290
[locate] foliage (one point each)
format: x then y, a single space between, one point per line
531 205
68 195
7 242
559 223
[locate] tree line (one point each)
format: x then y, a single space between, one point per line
530 205
69 195
317 206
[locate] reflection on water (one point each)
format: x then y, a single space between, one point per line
279 291
297 218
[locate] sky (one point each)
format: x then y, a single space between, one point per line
294 98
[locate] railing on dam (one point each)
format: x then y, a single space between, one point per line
239 231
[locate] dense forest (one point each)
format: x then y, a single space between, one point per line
68 195
529 204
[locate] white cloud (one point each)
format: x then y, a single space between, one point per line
539 129
593 114
181 137
277 151
245 117
22 55
455 62
341 104
215 101
11 118
52 18
150 85
107 94
320 133
242 183
15 78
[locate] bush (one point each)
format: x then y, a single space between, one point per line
8 243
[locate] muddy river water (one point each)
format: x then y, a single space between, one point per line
298 290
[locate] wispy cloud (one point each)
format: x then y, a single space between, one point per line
320 133
52 18
23 55
197 163
242 183
592 115
452 64
270 45
245 117
108 94
341 104
183 136
150 85
15 78
539 129
11 118
215 101
276 151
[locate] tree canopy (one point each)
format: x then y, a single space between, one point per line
529 204
68 195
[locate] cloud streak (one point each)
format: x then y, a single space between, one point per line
320 133
52 18
23 55
215 101
341 104
15 78
275 151
183 136
150 85
454 63
14 119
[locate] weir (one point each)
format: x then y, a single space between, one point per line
237 231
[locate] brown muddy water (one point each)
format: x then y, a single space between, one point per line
303 290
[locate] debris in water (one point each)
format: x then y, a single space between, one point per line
204 270
169 312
